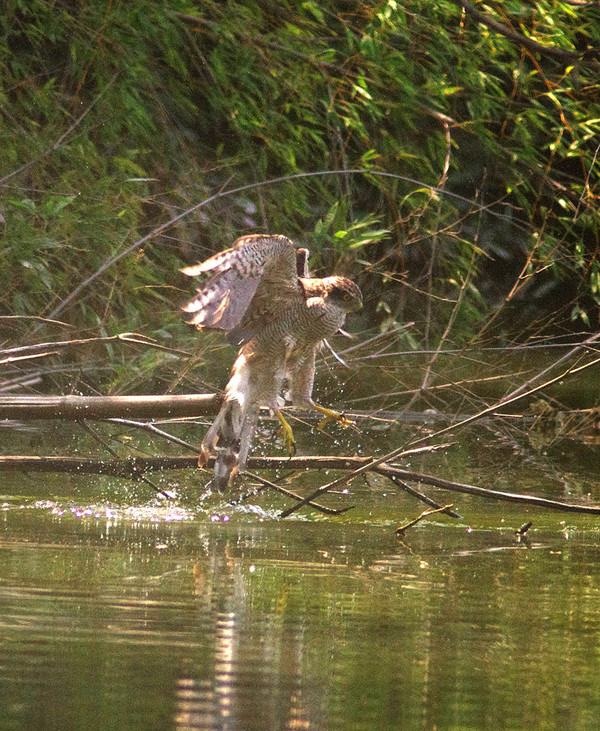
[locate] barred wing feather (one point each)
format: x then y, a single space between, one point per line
246 286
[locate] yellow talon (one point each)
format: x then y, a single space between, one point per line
331 415
287 435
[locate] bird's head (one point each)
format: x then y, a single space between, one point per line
343 293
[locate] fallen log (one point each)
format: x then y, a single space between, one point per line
74 408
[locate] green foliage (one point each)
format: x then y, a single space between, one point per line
121 115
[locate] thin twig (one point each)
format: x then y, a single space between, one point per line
434 243
574 351
37 318
400 531
14 359
337 357
147 426
522 531
511 497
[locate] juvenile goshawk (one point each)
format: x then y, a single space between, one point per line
260 294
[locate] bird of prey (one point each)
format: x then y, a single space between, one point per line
259 293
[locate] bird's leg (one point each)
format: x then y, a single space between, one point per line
331 415
287 434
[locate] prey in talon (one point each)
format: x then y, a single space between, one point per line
260 294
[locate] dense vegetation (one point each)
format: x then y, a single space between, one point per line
117 117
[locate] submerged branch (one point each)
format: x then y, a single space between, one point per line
135 466
419 495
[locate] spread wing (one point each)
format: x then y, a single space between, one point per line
247 286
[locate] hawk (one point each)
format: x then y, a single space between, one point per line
260 294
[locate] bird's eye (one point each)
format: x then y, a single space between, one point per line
347 297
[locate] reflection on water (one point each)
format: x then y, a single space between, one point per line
161 617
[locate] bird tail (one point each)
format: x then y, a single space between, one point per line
229 439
